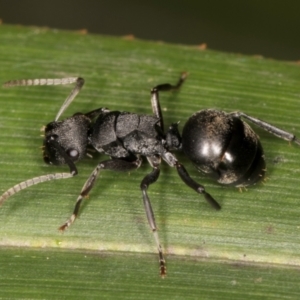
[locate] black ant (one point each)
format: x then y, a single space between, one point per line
219 144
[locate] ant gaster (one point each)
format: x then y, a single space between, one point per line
218 143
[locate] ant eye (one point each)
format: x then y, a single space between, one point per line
73 153
53 137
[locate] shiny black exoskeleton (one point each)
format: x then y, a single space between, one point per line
219 144
224 147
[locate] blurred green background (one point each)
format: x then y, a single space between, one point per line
256 27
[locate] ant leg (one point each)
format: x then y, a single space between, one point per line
79 82
185 177
268 127
149 179
155 97
114 165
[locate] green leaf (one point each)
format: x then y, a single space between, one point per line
249 249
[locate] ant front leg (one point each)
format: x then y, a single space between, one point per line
149 179
112 164
156 108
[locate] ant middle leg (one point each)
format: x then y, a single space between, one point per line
149 179
156 108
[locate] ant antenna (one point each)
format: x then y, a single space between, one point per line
33 181
49 81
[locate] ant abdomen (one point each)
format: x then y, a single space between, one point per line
224 147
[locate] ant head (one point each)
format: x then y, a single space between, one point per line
66 141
